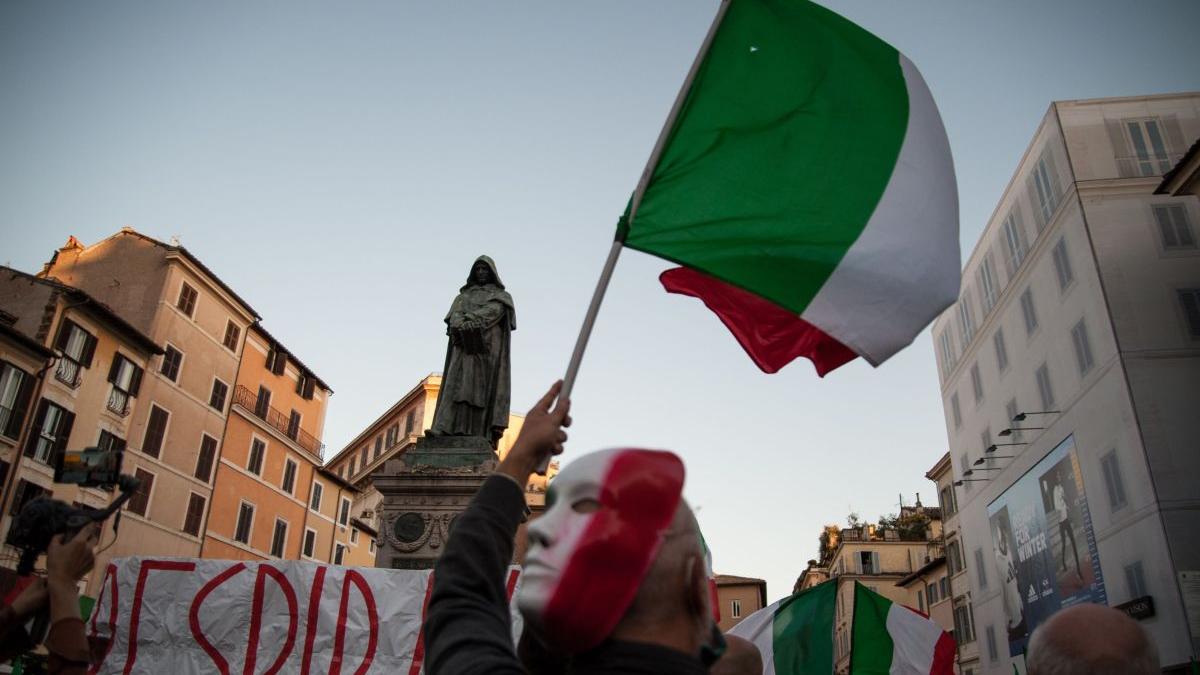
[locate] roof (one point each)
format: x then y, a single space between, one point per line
25 341
730 580
364 527
371 428
939 467
257 326
195 261
925 569
103 311
1189 157
333 477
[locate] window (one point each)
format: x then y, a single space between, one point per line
371 547
1150 153
276 360
16 387
26 492
310 543
1001 349
341 469
1174 227
1010 410
51 429
944 587
289 477
171 361
983 580
963 629
350 471
409 421
126 379
245 521
77 347
921 602
989 290
365 455
353 536
1113 482
216 399
279 538
1135 580
293 427
1029 312
947 352
378 446
1083 348
735 609
1062 265
963 465
344 513
206 457
868 562
140 502
262 404
306 386
232 333
955 410
156 431
1044 389
393 433
966 321
339 552
1043 188
954 558
110 442
1014 242
314 501
931 594
993 655
187 300
195 513
1189 299
254 463
946 499
976 382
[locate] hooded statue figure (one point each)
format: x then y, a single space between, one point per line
476 381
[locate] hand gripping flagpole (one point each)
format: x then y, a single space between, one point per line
589 319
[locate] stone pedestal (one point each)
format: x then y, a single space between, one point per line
423 491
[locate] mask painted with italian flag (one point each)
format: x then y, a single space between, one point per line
606 514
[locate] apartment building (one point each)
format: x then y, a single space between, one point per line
74 386
1069 369
738 598
957 604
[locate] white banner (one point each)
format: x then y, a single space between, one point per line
186 615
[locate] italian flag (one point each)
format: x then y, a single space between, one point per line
807 188
891 639
794 635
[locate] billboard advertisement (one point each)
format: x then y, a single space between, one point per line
1045 550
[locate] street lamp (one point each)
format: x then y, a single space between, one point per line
993 446
982 460
1020 417
1008 431
958 483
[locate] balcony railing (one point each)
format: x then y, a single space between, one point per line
67 372
118 402
276 420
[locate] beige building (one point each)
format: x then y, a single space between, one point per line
1070 366
396 431
84 399
738 598
955 606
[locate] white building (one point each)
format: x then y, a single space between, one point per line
1078 329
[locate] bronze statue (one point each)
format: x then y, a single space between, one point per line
476 381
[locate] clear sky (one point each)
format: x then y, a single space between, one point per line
341 165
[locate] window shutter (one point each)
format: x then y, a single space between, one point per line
64 333
280 362
135 382
63 433
310 385
1052 175
1034 202
1175 142
89 350
1124 155
300 384
115 367
35 428
875 562
17 418
271 359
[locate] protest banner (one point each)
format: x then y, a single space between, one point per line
187 615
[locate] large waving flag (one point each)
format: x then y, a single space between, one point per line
806 186
794 635
891 639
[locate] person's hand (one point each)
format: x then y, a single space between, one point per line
68 560
32 599
541 436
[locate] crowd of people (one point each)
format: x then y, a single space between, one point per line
615 581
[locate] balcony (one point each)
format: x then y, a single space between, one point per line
67 372
275 419
118 402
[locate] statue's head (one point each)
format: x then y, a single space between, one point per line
615 522
483 272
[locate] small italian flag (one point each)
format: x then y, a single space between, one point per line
891 639
794 635
807 188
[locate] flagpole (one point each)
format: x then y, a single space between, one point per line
589 319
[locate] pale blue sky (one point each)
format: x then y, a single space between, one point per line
341 165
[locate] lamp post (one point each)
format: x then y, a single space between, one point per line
1010 430
1020 417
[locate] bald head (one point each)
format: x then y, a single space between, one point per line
1093 640
741 657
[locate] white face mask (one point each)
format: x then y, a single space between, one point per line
605 517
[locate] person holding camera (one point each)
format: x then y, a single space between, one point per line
68 559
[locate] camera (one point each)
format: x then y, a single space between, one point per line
43 518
